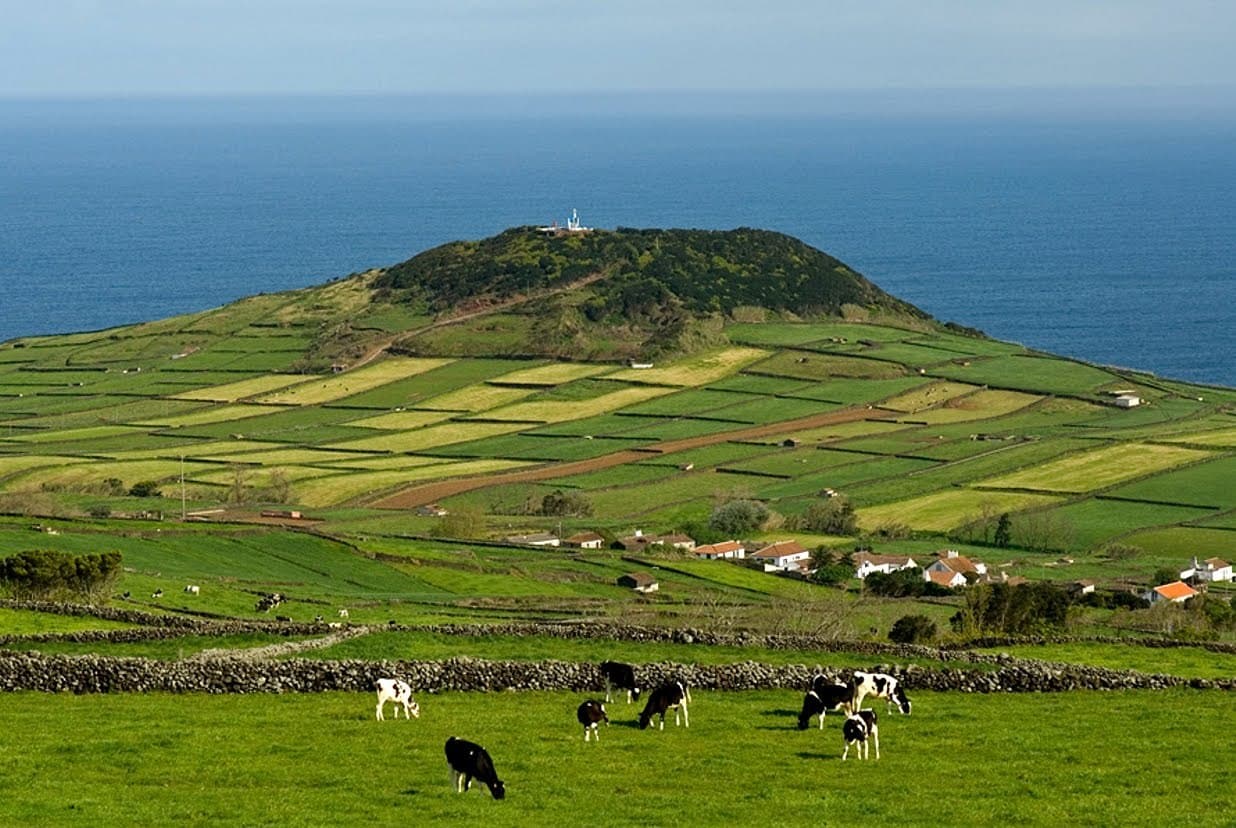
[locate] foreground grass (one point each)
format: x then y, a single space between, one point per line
1090 758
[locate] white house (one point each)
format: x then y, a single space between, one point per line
1211 569
586 540
867 562
639 581
1128 401
951 563
730 549
537 539
782 555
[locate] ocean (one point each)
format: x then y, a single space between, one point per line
1111 241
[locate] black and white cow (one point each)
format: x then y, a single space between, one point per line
860 728
823 696
590 714
394 690
619 676
669 696
882 686
468 761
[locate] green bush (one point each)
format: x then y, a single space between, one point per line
913 629
43 573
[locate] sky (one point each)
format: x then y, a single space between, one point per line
57 49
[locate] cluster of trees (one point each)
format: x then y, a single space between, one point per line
42 573
564 504
904 583
831 516
913 629
735 518
1024 609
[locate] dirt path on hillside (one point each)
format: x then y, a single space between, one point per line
431 492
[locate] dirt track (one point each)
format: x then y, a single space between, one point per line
432 492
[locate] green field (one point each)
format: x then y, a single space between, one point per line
1088 471
322 759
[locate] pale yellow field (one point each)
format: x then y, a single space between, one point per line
942 511
841 431
213 449
697 370
556 411
1090 470
12 464
127 472
239 390
67 435
1223 438
224 475
980 405
429 437
348 383
217 414
402 420
340 488
927 396
474 399
553 374
387 462
294 456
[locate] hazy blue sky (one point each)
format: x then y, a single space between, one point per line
57 48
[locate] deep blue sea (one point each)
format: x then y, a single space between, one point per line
1114 242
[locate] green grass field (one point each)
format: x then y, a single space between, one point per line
1088 471
322 760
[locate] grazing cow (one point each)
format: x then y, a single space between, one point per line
284 618
860 728
343 613
823 696
666 697
394 690
317 619
620 676
127 595
882 686
158 593
590 714
193 589
467 760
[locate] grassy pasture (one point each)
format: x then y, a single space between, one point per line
1175 545
1098 520
475 399
525 447
693 402
340 488
929 396
816 366
617 476
402 420
27 622
352 382
714 455
1029 373
122 412
942 511
753 384
1204 484
1190 662
555 373
82 474
213 450
842 478
410 391
17 463
1221 438
1092 470
796 462
790 334
239 390
677 429
310 760
214 414
699 369
911 355
73 435
763 410
841 431
981 405
551 411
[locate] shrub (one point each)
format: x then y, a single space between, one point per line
146 488
913 629
565 504
738 517
43 573
833 516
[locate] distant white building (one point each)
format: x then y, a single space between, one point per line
782 555
866 563
1211 569
719 551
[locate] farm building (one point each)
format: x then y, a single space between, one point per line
1082 587
639 541
724 550
586 540
535 539
867 562
945 578
781 555
949 561
1128 401
1211 569
1176 592
639 581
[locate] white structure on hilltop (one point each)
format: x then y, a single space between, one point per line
573 225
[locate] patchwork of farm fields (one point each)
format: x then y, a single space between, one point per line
916 428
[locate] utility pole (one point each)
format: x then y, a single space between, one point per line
182 488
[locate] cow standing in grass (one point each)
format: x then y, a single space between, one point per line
619 676
666 697
880 685
824 695
860 729
590 714
468 761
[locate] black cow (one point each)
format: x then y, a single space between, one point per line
620 676
590 714
882 686
823 696
860 729
667 696
467 760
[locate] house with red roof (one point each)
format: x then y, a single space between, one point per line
781 555
866 563
1177 592
727 550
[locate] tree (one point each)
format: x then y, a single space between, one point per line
913 629
43 573
238 491
832 516
1004 531
461 522
738 517
146 488
1164 575
280 487
565 504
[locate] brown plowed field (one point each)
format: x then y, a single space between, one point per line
433 492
